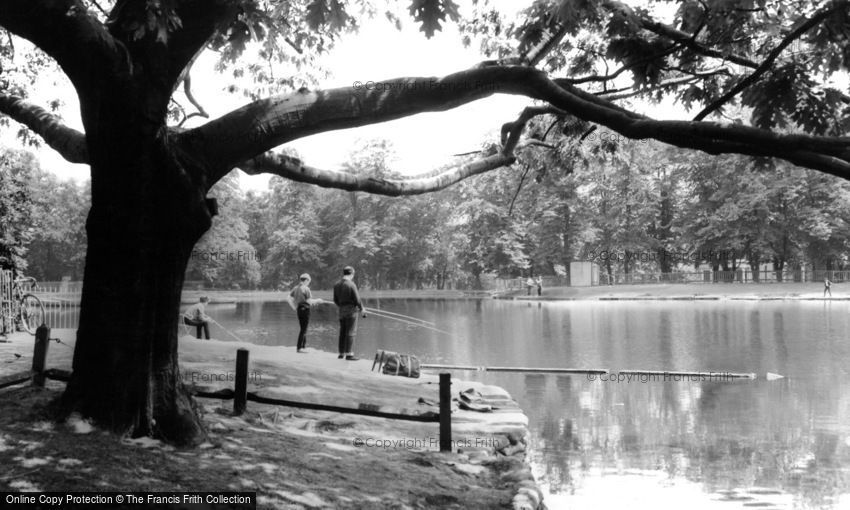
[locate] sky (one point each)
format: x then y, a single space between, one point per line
378 52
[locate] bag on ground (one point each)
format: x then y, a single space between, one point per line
401 364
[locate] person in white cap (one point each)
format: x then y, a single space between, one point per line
301 297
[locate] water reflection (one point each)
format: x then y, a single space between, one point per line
601 444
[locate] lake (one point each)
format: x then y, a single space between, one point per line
638 444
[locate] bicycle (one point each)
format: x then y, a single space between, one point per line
24 310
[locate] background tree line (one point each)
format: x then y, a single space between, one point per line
556 205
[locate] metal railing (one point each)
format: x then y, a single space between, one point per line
740 276
6 305
506 284
61 302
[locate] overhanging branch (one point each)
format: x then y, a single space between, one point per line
263 125
294 169
199 21
626 92
511 131
78 42
68 142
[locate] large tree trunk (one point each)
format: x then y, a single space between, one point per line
147 213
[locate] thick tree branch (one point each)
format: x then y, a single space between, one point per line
200 19
626 92
292 168
78 42
165 56
548 42
518 189
771 58
685 39
262 125
828 154
511 131
68 142
268 123
187 89
625 67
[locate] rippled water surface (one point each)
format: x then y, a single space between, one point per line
639 444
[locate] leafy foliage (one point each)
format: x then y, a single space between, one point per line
16 200
612 45
429 13
58 246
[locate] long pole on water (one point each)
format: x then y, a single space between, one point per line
718 376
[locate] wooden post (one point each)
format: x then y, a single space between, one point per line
446 412
39 354
240 399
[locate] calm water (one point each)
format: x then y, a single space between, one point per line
602 444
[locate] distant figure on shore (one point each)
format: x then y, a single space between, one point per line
348 300
539 282
195 316
826 286
529 284
301 297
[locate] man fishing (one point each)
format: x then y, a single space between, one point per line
196 316
348 300
301 296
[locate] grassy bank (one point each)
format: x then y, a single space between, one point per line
293 458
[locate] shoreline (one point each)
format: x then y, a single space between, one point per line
670 298
792 291
489 462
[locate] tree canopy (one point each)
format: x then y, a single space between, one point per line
784 62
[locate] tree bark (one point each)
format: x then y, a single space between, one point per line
147 214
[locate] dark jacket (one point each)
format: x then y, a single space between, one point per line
347 298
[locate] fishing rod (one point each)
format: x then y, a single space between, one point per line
320 301
621 375
227 330
408 317
379 314
384 314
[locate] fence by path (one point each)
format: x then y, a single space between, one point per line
61 302
507 284
6 305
